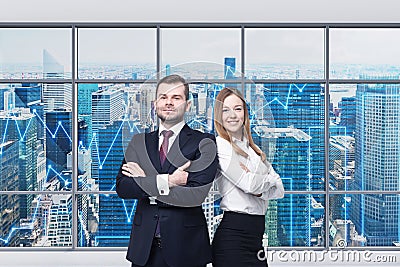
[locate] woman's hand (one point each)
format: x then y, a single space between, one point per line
244 167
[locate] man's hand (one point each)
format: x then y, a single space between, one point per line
179 176
132 169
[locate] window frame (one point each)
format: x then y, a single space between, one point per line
74 81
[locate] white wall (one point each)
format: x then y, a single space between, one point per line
200 11
180 11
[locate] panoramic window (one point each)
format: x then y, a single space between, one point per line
72 97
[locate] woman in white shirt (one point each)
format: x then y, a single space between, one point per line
246 182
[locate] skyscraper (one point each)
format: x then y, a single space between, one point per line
107 106
27 95
58 138
85 92
167 69
115 214
229 67
377 216
298 110
55 95
9 204
341 174
20 126
348 114
229 71
60 221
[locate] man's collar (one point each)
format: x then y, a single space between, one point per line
176 128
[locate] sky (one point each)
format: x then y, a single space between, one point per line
127 46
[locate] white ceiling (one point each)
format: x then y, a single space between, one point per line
200 11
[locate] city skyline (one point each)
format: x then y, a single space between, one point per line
278 46
108 114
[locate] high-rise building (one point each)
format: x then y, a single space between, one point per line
85 92
229 67
115 214
87 212
27 95
167 69
3 90
229 71
9 204
20 126
60 221
212 92
348 114
377 216
58 138
8 99
341 174
55 95
107 107
298 111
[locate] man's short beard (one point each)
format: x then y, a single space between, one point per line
165 119
162 118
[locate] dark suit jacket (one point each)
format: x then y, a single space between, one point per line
183 226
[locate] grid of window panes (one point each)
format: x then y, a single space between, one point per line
323 103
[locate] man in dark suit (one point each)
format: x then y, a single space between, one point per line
170 172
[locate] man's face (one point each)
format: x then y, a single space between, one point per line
171 103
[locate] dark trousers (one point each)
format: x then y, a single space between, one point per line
156 258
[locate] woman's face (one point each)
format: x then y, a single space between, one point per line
233 116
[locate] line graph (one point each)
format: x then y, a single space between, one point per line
101 159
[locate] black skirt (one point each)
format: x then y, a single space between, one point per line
238 241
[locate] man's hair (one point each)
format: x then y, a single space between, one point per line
174 78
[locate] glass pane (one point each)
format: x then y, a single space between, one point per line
108 116
106 220
36 142
35 53
36 220
364 137
298 130
296 220
201 53
284 53
364 53
116 53
364 220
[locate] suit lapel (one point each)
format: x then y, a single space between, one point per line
176 148
152 149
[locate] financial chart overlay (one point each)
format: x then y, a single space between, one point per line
72 97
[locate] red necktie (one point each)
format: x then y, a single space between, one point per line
164 145
163 156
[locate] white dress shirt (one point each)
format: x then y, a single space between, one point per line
176 129
162 179
239 188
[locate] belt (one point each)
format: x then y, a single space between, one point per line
157 242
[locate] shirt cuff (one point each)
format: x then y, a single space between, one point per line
162 184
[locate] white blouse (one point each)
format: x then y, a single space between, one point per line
238 188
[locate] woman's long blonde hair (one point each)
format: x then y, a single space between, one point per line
219 103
